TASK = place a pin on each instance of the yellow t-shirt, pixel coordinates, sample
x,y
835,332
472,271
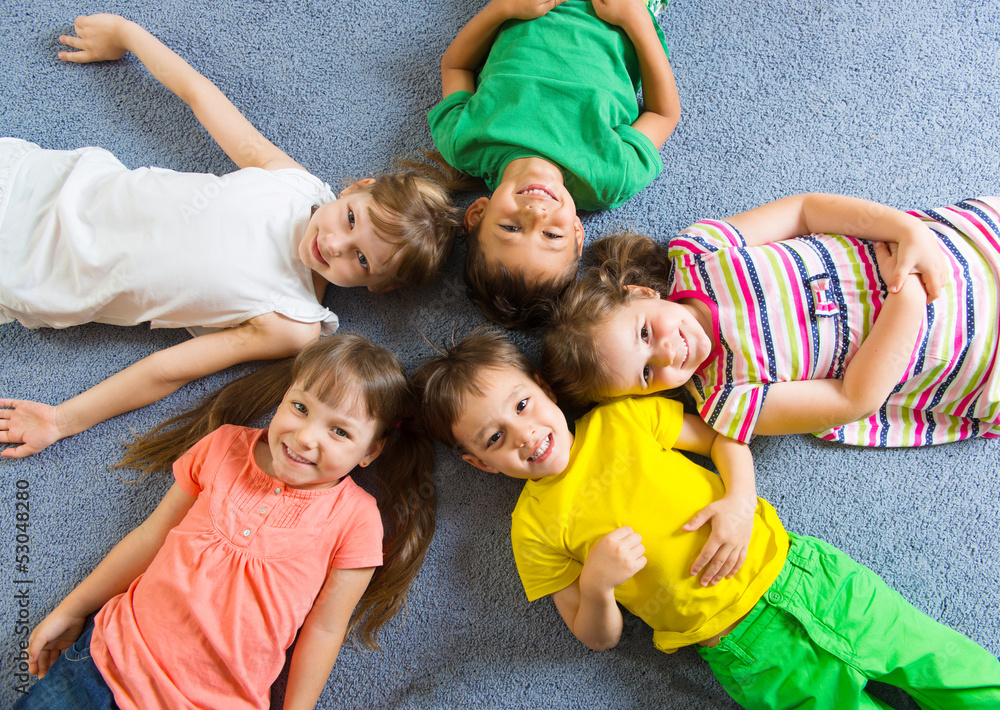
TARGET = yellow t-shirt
x,y
623,471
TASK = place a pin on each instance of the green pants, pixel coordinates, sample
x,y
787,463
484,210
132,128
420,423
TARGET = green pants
x,y
828,625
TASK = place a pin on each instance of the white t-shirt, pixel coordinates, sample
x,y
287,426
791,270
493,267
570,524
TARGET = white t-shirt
x,y
84,239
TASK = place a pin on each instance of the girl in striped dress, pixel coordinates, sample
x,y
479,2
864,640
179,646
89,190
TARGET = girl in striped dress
x,y
884,338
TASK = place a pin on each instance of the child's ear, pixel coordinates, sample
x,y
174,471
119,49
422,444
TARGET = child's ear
x,y
578,229
474,213
359,185
545,387
479,463
374,451
384,288
642,291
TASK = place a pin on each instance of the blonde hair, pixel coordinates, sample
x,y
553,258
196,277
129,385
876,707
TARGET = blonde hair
x,y
571,362
330,368
412,210
445,380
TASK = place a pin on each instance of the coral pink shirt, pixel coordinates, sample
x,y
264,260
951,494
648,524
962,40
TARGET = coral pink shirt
x,y
208,623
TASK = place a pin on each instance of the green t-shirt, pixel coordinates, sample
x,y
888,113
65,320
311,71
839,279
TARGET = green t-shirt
x,y
561,87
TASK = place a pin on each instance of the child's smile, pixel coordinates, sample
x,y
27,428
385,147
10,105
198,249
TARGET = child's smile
x,y
529,224
651,345
312,445
341,245
514,427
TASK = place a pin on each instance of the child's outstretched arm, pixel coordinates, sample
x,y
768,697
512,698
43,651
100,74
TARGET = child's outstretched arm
x,y
919,251
322,634
126,561
732,515
588,605
661,103
467,51
108,37
35,426
880,363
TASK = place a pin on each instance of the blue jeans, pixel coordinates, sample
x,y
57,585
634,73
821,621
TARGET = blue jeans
x,y
72,683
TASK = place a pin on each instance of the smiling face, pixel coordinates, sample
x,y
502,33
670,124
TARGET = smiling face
x,y
651,344
341,245
312,445
529,224
514,427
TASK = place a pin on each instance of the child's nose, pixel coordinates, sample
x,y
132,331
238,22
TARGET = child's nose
x,y
524,435
305,436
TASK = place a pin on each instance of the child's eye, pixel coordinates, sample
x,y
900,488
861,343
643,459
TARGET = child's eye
x,y
552,235
492,440
644,333
350,217
363,260
521,405
645,375
300,408
340,432
509,228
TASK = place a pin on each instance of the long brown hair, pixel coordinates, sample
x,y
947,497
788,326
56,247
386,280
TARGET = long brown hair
x,y
571,363
404,470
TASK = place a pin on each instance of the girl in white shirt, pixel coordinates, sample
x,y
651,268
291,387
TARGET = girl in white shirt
x,y
241,260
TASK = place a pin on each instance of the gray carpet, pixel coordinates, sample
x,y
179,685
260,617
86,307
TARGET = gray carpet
x,y
886,100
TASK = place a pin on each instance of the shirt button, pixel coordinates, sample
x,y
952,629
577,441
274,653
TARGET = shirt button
x,y
277,491
774,597
246,533
263,510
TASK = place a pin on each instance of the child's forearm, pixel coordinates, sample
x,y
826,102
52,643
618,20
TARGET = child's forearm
x,y
735,465
596,619
106,37
161,61
469,48
884,356
322,634
880,363
136,386
661,102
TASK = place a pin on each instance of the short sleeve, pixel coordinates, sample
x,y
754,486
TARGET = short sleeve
x,y
191,471
639,164
443,120
361,542
732,410
660,416
543,570
705,237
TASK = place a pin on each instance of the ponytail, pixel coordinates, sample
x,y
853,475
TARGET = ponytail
x,y
406,498
240,402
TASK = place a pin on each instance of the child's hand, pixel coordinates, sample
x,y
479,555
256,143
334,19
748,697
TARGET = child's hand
x,y
526,9
921,255
726,549
98,37
620,12
31,424
52,636
613,560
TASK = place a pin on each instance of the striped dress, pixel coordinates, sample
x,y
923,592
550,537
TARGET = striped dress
x,y
799,309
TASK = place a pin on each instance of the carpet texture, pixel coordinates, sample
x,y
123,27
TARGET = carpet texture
x,y
891,101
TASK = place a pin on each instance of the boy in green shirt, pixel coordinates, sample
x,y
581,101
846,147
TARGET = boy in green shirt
x,y
551,123
613,514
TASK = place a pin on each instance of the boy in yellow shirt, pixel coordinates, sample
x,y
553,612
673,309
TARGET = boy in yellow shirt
x,y
613,513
